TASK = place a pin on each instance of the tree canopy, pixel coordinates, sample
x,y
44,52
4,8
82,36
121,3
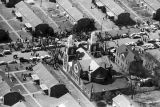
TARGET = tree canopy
x,y
4,36
156,16
124,19
43,30
136,68
84,25
12,3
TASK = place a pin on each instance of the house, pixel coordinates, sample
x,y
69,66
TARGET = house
x,y
46,79
28,14
123,101
124,56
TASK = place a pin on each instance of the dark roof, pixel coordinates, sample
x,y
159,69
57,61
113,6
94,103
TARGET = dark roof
x,y
12,98
58,90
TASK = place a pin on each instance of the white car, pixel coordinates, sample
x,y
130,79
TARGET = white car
x,y
148,46
131,43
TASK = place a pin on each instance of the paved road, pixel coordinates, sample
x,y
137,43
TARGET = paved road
x,y
11,27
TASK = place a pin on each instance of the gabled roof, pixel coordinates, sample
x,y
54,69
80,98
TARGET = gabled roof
x,y
73,11
68,101
86,55
153,4
124,101
44,75
28,14
19,104
127,52
113,6
87,60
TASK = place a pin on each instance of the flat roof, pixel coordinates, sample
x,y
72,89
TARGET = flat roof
x,y
114,7
28,14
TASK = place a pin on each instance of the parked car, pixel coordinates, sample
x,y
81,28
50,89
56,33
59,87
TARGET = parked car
x,y
3,63
7,52
124,36
131,43
148,46
23,60
157,44
1,54
12,62
36,48
25,50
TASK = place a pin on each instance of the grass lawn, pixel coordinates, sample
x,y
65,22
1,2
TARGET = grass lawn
x,y
58,18
17,25
65,25
19,88
31,101
25,35
6,12
31,87
13,36
4,26
19,76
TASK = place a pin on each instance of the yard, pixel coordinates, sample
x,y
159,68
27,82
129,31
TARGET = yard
x,y
13,36
5,27
25,35
32,87
6,12
17,25
19,88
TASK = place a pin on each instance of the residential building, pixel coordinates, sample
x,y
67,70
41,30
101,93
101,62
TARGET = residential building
x,y
28,14
45,78
124,56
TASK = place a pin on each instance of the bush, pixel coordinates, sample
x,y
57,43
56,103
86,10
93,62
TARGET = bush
x,y
84,25
4,36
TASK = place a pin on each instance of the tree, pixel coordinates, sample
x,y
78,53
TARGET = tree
x,y
4,36
43,30
12,3
136,68
124,19
84,25
156,16
108,96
